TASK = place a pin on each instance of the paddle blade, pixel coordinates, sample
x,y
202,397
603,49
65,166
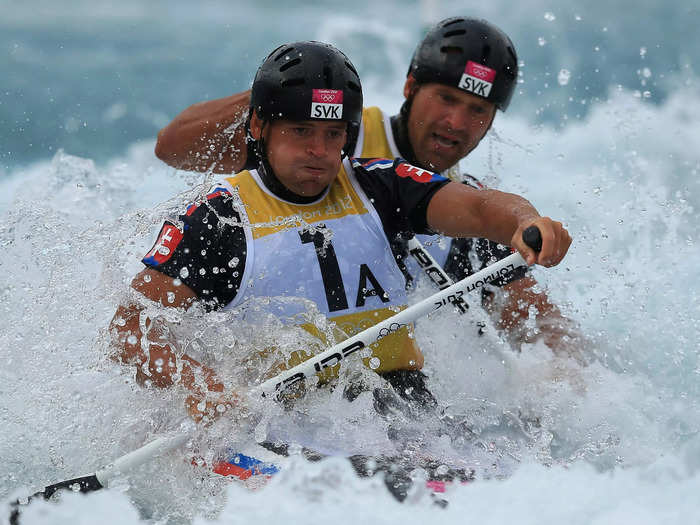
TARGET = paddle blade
x,y
83,484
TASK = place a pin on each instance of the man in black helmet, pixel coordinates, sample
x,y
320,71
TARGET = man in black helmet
x,y
305,223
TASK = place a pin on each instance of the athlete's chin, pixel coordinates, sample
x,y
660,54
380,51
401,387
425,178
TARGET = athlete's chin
x,y
440,158
311,188
438,162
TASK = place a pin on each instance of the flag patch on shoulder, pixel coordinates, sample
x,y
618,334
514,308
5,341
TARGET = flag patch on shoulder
x,y
168,239
404,169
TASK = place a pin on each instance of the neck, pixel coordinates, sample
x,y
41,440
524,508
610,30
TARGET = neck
x,y
399,126
272,183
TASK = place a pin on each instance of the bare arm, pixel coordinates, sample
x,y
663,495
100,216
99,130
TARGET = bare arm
x,y
207,134
521,300
160,365
458,210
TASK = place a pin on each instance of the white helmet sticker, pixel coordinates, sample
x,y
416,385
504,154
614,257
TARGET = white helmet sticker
x,y
477,79
327,103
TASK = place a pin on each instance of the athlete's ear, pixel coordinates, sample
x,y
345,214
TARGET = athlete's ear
x,y
410,86
255,125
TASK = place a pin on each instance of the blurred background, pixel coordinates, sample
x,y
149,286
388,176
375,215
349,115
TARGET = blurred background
x,y
92,77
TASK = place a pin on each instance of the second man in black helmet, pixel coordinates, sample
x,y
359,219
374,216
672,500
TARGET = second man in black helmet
x,y
305,223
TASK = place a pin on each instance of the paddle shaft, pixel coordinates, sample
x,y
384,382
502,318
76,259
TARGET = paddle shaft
x,y
434,271
354,344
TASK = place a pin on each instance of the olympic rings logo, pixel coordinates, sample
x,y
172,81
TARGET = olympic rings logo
x,y
478,72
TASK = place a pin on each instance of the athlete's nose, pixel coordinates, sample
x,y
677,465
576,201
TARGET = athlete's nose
x,y
457,119
317,145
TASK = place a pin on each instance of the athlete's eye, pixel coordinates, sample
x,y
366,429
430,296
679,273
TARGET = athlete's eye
x,y
301,131
335,133
446,98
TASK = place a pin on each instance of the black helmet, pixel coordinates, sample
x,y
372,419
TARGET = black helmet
x,y
469,54
308,81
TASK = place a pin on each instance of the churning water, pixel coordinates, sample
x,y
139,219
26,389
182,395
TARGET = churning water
x,y
603,135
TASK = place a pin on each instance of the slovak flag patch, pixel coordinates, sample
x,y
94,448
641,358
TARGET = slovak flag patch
x,y
327,103
404,169
477,79
170,236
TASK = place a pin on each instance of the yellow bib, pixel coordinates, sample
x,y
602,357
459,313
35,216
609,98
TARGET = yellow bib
x,y
333,252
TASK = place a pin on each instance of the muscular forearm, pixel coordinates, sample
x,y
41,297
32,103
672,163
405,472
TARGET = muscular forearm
x,y
526,314
157,364
207,135
148,346
457,210
460,211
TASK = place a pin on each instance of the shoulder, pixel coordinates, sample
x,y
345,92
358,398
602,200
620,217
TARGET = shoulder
x,y
372,164
219,202
396,167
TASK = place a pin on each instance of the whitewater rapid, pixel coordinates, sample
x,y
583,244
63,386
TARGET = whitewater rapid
x,y
616,441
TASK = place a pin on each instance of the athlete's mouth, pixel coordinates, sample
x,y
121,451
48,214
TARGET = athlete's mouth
x,y
445,141
316,170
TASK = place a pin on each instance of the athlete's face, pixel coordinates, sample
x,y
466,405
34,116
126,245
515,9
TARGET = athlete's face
x,y
445,123
305,155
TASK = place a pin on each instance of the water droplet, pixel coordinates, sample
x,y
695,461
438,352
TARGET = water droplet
x,y
233,262
541,41
442,470
132,340
146,278
642,52
563,77
374,363
184,272
171,297
549,17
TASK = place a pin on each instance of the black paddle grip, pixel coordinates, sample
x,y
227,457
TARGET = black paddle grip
x,y
533,238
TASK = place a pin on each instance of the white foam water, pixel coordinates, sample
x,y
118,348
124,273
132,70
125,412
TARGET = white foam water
x,y
615,441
